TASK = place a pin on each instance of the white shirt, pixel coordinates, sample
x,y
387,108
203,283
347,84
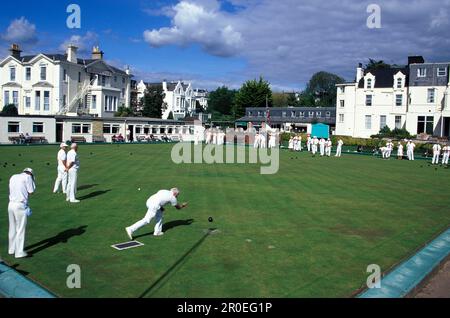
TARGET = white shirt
x,y
72,156
62,156
437,148
162,198
340,143
20,186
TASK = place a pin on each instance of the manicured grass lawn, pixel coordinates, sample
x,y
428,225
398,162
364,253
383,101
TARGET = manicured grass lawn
x,y
309,231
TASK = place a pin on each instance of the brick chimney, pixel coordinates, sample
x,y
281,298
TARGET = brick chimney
x,y
97,54
15,51
72,54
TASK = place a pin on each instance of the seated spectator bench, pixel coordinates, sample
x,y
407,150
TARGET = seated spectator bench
x,y
78,140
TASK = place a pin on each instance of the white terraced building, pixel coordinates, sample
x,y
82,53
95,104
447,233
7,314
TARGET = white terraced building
x,y
414,97
63,84
180,98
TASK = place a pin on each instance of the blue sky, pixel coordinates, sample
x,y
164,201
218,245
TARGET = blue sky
x,y
212,43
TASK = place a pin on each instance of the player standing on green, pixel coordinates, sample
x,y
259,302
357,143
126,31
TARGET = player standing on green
x,y
155,205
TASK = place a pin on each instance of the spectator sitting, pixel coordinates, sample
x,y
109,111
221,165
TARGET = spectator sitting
x,y
27,138
21,138
114,138
120,138
147,137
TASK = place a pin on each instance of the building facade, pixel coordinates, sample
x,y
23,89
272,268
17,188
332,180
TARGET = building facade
x,y
300,119
63,84
180,98
414,97
56,129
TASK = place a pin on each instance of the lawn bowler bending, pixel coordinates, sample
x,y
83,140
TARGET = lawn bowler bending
x,y
155,205
20,188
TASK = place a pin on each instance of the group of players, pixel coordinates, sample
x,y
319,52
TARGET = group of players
x,y
315,145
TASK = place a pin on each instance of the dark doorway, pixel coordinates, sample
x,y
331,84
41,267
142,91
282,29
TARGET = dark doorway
x,y
447,127
131,128
59,132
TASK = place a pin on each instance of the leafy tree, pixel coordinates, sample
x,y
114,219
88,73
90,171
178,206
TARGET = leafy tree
x,y
221,101
292,100
153,102
170,116
254,93
280,100
123,111
10,110
376,65
321,90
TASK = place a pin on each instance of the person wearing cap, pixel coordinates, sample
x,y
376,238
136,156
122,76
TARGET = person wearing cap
x,y
21,186
62,173
72,166
155,205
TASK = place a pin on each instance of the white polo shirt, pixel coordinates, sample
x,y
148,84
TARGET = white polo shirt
x,y
162,198
72,156
436,148
62,156
20,186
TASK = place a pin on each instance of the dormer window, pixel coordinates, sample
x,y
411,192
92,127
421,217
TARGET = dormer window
x,y
399,83
369,83
422,72
441,71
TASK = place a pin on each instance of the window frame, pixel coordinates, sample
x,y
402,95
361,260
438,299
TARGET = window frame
x,y
369,97
15,123
366,126
40,125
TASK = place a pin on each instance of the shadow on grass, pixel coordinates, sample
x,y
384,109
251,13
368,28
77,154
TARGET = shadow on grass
x,y
169,226
21,272
159,283
62,237
93,195
86,187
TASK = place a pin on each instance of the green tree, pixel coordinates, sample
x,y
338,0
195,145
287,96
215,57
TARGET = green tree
x,y
221,101
292,100
198,108
280,100
10,110
153,102
321,90
254,93
170,116
123,111
376,65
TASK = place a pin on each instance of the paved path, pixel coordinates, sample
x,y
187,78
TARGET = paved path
x,y
438,286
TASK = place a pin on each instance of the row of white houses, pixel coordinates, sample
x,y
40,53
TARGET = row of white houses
x,y
64,84
414,97
55,129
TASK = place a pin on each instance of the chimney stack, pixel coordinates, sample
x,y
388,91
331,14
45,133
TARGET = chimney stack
x,y
359,72
415,60
164,85
15,51
97,54
72,54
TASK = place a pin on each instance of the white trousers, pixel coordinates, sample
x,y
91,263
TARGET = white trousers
x,y
308,145
151,213
322,151
388,154
314,149
17,227
445,158
61,180
328,151
436,157
338,151
72,184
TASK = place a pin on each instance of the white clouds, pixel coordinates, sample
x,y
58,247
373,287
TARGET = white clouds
x,y
21,31
287,41
83,42
199,22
